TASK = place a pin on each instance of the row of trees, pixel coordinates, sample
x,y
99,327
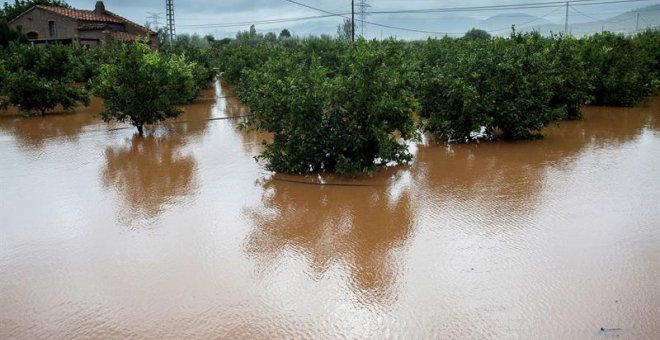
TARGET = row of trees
x,y
347,107
344,107
138,85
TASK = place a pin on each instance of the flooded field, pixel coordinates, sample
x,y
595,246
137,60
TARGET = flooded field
x,y
181,234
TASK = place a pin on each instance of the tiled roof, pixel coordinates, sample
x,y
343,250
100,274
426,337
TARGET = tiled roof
x,y
128,22
84,15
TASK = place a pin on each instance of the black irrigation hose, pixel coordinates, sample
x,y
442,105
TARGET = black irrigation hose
x,y
327,184
188,121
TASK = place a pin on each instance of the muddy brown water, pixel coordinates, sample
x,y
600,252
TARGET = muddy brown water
x,y
181,234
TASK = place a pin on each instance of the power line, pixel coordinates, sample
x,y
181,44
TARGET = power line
x,y
363,5
154,19
366,22
267,21
529,22
503,7
596,19
328,14
648,23
470,9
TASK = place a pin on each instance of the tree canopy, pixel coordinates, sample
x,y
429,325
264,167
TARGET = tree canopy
x,y
285,34
141,86
476,33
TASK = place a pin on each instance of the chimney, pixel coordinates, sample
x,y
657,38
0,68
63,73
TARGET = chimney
x,y
99,8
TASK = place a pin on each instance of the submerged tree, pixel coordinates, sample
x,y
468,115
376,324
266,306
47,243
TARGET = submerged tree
x,y
349,119
38,79
142,86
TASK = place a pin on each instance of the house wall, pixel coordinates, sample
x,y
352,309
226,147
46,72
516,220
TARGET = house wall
x,y
36,20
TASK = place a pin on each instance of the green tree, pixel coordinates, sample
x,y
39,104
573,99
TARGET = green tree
x,y
39,79
9,35
29,92
142,86
570,80
285,34
500,84
476,33
209,38
3,80
12,10
621,69
349,120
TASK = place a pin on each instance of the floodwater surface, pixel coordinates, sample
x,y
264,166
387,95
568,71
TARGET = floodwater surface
x,y
181,234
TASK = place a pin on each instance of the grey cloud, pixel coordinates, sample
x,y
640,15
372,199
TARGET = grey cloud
x,y
197,12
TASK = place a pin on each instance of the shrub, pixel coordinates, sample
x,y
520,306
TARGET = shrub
x,y
142,86
348,121
501,85
621,71
39,79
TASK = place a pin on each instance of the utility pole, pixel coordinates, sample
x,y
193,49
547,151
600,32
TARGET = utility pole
x,y
637,24
154,19
566,21
363,15
352,20
171,29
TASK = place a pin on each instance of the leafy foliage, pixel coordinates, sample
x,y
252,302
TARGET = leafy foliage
x,y
39,79
622,72
570,81
501,84
9,35
476,33
197,50
306,93
285,34
142,86
247,51
29,92
346,121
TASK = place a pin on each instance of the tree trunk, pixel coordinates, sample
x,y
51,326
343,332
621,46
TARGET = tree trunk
x,y
140,129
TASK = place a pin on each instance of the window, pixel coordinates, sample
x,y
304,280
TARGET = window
x,y
52,28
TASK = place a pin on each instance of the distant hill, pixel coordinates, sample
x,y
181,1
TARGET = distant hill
x,y
503,22
623,23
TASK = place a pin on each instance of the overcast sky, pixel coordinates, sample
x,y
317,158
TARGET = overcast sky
x,y
214,13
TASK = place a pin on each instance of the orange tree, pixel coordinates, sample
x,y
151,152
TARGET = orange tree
x,y
141,86
348,120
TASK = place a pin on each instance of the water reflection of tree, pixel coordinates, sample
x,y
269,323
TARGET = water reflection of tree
x,y
355,229
148,173
194,120
500,181
33,132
